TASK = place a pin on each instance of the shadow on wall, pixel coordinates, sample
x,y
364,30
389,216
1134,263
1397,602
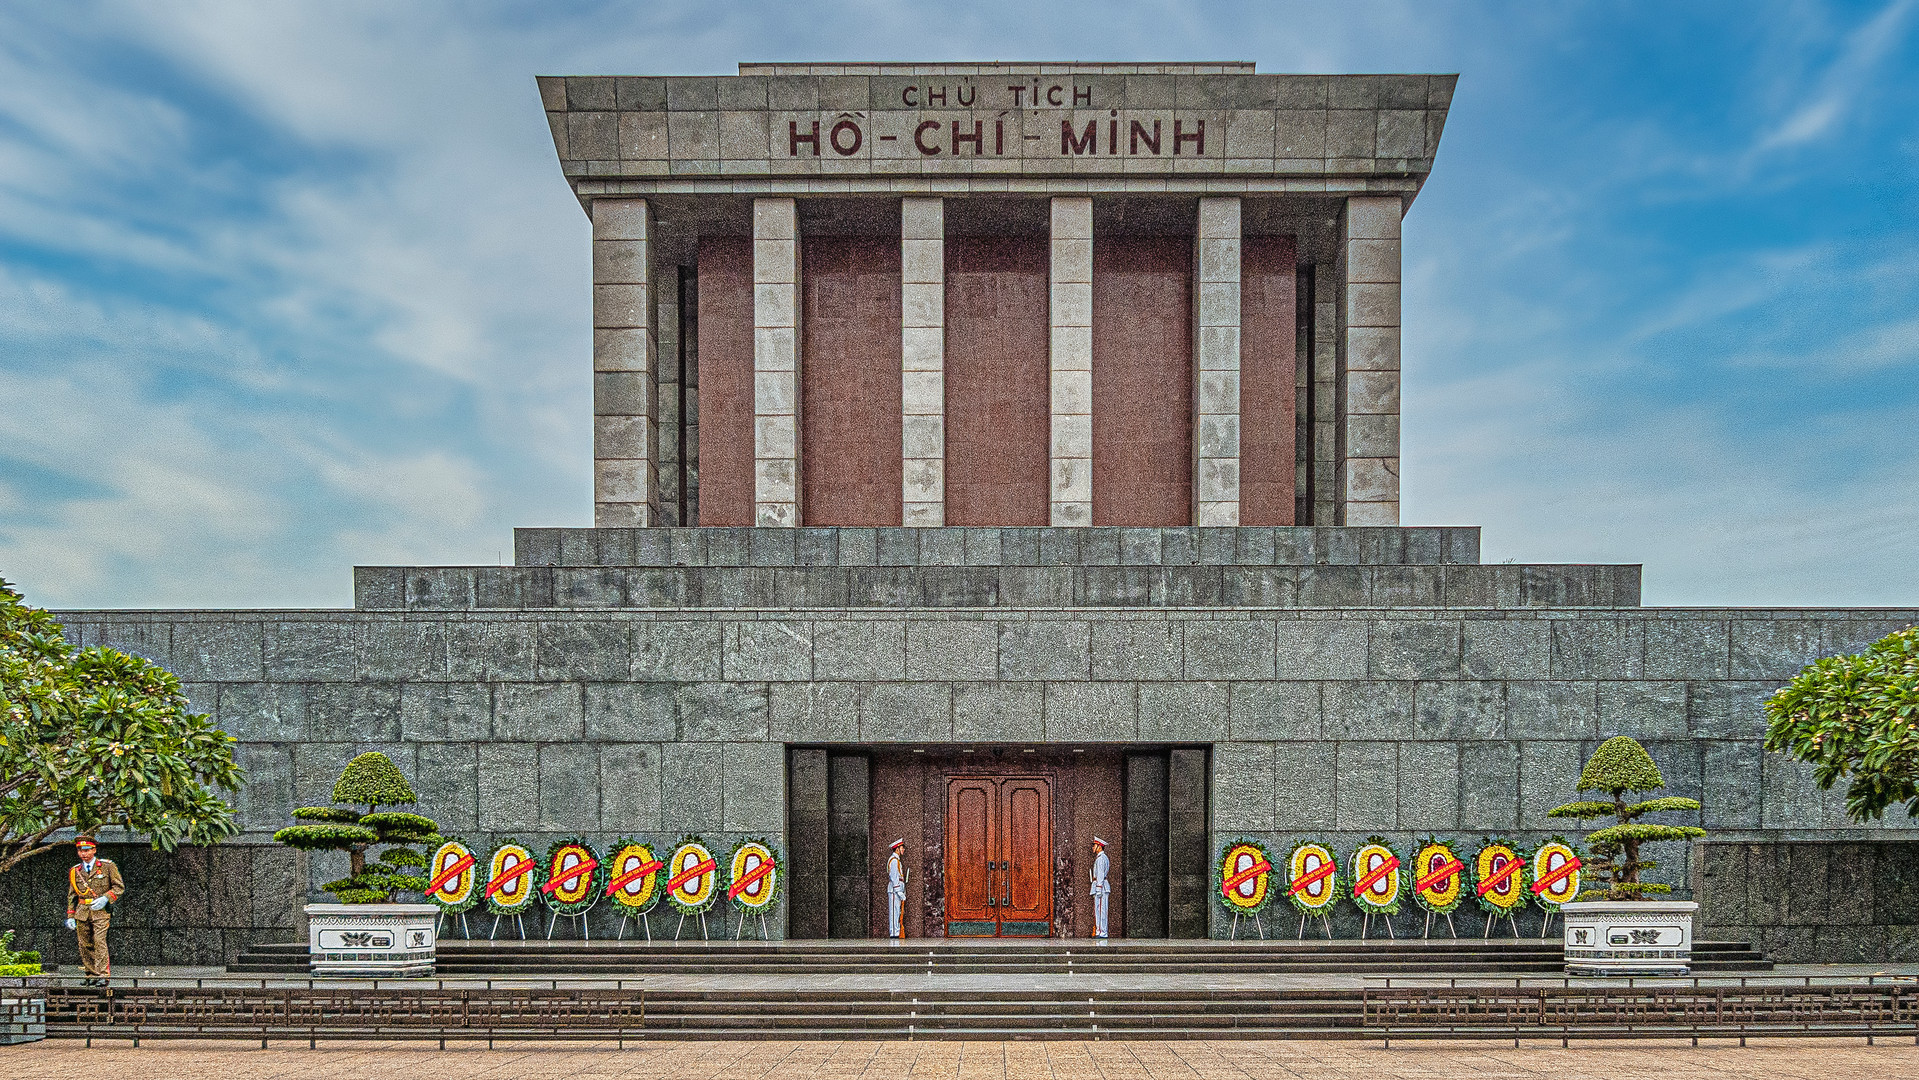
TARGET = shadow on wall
x,y
196,906
1844,903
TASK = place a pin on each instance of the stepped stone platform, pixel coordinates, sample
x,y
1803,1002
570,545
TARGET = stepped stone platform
x,y
820,568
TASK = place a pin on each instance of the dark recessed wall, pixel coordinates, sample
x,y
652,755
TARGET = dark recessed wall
x,y
850,464
726,380
1269,329
1142,380
998,379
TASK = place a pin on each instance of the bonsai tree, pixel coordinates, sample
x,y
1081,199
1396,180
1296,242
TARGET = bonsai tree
x,y
96,738
369,781
1621,767
1856,718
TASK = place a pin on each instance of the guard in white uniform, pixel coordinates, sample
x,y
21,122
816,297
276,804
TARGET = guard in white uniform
x,y
1102,889
896,891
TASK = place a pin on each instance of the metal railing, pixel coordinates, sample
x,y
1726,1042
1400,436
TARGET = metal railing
x,y
1868,1009
315,1013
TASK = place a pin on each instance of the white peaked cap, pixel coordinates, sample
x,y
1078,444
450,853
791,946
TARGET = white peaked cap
x,y
901,842
1098,841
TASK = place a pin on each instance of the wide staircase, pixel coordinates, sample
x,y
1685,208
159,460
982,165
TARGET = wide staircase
x,y
631,959
977,989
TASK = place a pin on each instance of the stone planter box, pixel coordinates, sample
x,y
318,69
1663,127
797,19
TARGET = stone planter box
x,y
23,1016
379,940
1624,937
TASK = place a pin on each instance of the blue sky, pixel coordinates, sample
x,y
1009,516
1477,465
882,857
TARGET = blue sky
x,y
289,287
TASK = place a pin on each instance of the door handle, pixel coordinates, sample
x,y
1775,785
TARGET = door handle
x,y
1006,882
990,900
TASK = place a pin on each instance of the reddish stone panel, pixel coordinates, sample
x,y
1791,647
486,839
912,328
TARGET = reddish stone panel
x,y
1269,321
1142,380
726,381
850,469
998,380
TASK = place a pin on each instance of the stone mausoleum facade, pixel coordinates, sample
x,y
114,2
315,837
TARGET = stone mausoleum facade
x,y
991,456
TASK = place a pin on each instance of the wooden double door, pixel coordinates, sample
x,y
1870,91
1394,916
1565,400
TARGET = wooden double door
x,y
999,856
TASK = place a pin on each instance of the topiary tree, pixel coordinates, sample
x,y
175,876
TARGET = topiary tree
x,y
1856,718
1618,768
371,781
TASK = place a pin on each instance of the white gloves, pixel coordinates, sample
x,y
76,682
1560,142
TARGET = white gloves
x,y
99,903
69,922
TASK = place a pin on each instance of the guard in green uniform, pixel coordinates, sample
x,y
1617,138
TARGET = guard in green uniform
x,y
92,885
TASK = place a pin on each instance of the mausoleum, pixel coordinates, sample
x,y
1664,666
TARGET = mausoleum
x,y
992,456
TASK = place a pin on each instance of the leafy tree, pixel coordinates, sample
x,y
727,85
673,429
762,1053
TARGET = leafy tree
x,y
371,781
1620,767
95,738
1856,718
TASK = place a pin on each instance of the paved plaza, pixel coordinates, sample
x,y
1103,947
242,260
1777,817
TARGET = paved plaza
x,y
1824,1059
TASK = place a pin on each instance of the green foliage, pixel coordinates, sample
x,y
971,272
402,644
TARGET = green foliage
x,y
1583,811
394,824
325,837
372,780
95,738
9,956
1619,766
1856,718
16,964
399,856
344,815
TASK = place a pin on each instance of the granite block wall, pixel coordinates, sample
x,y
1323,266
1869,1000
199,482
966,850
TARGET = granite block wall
x,y
1853,901
1331,724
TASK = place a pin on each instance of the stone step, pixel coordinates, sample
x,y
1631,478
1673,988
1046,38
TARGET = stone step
x,y
1245,545
684,588
613,959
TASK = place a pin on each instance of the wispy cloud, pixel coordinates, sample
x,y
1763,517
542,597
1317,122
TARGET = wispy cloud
x,y
1832,96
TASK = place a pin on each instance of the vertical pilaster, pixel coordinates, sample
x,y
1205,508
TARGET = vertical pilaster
x,y
623,366
923,361
1369,362
1071,355
1216,397
668,468
1325,399
776,362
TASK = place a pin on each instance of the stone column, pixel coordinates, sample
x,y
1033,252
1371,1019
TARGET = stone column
x,y
1368,432
1216,427
776,362
923,361
1072,361
623,367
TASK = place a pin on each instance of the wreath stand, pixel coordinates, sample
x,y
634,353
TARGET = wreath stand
x,y
645,923
1325,922
742,929
1366,923
1493,917
1546,923
1449,925
496,926
1238,915
579,920
465,933
682,923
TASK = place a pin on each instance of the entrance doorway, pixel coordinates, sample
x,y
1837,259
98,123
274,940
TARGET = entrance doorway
x,y
999,856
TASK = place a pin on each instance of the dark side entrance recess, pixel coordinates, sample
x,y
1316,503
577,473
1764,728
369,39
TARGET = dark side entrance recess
x,y
998,839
